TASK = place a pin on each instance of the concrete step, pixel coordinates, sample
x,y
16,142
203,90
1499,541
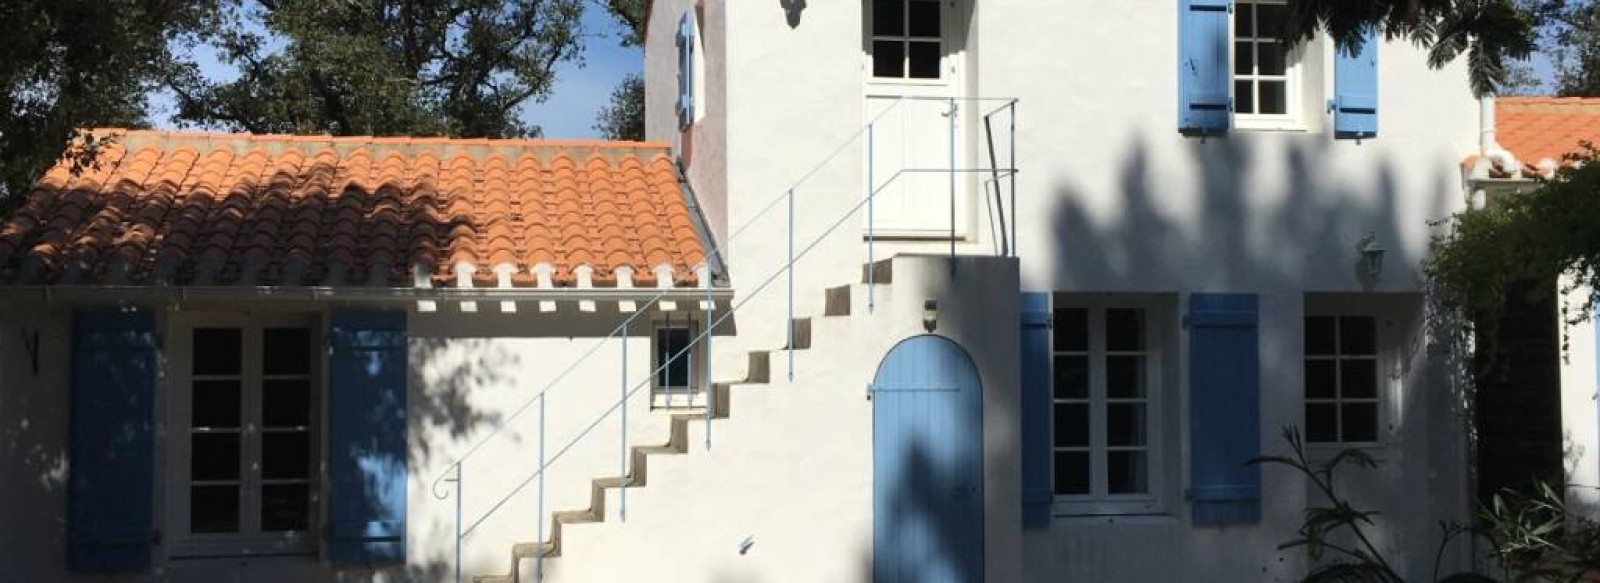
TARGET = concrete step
x,y
837,301
881,272
802,334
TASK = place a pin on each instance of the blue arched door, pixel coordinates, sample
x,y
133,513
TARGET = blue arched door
x,y
927,465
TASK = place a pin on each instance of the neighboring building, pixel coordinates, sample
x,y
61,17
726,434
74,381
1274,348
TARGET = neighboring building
x,y
903,290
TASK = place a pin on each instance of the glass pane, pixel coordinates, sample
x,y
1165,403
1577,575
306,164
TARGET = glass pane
x,y
1358,336
1125,424
285,456
1273,61
1072,330
1270,19
1360,422
217,351
285,507
1242,25
925,18
888,17
1072,425
1072,377
671,342
1322,422
1274,97
286,403
1125,377
1072,472
924,60
1125,330
1321,379
216,405
213,509
1126,472
214,456
287,351
1244,97
1320,338
888,58
1360,379
1244,59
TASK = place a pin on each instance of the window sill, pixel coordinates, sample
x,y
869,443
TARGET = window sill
x,y
1283,126
1117,519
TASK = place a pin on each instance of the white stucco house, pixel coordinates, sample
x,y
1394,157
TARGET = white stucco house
x,y
897,290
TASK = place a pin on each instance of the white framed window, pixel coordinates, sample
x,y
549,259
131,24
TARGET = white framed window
x,y
675,362
907,40
1106,414
1343,396
247,412
1267,75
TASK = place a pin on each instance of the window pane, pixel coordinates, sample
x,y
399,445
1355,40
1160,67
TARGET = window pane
x,y
669,343
1241,20
1125,377
1072,377
215,405
1072,330
214,456
217,351
1125,424
286,403
888,58
1274,97
1360,379
1270,19
924,60
1322,422
1125,330
1244,97
1360,422
1126,472
285,507
1072,472
214,509
1358,336
287,351
925,18
888,17
1072,425
285,456
1320,338
1272,59
1244,59
1321,379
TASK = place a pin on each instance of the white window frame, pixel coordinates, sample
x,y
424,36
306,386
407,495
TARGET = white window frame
x,y
946,41
1383,362
251,541
1099,502
1294,77
673,396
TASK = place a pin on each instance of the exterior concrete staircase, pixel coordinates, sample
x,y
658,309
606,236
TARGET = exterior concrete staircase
x,y
837,303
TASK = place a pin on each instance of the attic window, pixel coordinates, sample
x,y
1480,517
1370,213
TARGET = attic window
x,y
907,39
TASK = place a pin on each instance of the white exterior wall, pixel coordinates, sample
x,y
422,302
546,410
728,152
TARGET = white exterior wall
x,y
1580,413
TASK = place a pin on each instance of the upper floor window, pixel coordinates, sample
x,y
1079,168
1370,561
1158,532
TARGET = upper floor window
x,y
907,39
1266,72
1341,379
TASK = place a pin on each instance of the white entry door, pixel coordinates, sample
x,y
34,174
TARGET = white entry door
x,y
920,161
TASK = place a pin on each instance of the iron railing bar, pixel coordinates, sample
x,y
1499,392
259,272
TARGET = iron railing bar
x,y
994,166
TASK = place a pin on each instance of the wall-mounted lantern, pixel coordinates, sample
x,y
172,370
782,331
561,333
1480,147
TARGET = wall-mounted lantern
x,y
1371,255
930,315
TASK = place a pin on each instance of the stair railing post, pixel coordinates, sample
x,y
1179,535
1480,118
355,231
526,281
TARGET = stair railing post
x,y
622,451
872,237
1013,164
952,180
710,388
458,522
790,320
538,569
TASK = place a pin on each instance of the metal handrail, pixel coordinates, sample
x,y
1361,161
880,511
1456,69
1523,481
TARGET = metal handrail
x,y
454,471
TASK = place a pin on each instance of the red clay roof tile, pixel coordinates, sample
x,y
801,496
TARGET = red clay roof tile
x,y
1538,128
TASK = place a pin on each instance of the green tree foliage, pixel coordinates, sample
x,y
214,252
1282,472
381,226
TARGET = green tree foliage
x,y
1490,34
71,64
383,67
1569,33
623,119
630,13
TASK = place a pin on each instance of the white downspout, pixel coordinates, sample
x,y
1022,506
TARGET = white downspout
x,y
1490,153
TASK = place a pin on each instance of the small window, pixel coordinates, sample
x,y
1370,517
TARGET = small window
x,y
1265,70
1341,379
1104,410
907,39
675,363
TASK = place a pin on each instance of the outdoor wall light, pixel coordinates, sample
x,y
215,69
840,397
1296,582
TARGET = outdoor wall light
x,y
1371,255
930,315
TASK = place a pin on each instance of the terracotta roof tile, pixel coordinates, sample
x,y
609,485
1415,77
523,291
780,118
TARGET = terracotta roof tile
x,y
1536,129
219,209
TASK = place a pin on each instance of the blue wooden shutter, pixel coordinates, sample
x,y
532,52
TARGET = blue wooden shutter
x,y
1035,413
1224,409
1204,106
110,520
367,437
686,44
1355,93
